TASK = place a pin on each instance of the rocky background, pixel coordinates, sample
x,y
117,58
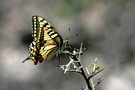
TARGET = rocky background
x,y
106,28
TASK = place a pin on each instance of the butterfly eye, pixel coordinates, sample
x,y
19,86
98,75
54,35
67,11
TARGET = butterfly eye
x,y
65,43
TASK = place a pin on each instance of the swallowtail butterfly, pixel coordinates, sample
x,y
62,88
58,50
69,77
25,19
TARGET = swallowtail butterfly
x,y
46,41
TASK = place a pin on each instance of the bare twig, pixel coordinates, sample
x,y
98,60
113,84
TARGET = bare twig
x,y
99,81
95,73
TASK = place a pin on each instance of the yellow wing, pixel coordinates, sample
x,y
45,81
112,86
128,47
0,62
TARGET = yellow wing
x,y
46,41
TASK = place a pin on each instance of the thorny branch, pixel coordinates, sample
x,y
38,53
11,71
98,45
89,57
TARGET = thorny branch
x,y
74,65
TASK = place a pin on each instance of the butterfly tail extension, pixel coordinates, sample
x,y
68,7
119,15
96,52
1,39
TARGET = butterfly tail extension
x,y
26,59
35,61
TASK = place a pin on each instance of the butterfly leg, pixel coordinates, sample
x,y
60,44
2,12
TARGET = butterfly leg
x,y
60,61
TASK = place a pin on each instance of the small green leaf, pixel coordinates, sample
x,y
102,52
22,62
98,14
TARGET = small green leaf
x,y
98,68
96,60
91,66
94,66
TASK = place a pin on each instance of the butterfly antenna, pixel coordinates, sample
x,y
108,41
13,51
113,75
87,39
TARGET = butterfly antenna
x,y
72,36
69,29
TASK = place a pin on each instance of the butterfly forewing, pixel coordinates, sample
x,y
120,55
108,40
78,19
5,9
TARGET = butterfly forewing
x,y
46,40
37,28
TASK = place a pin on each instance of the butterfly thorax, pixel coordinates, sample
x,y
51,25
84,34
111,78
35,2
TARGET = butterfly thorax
x,y
64,45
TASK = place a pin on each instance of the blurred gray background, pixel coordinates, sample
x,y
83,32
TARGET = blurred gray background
x,y
106,28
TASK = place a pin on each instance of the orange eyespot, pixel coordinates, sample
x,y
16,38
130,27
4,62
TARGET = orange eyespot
x,y
41,60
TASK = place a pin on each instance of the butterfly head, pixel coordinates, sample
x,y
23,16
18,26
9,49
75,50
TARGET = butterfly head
x,y
65,43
